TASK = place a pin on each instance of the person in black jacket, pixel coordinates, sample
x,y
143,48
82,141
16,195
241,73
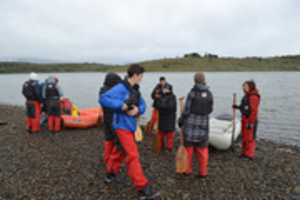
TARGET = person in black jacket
x,y
31,92
167,107
111,80
52,94
162,87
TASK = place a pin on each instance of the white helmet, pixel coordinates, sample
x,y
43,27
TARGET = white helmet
x,y
33,76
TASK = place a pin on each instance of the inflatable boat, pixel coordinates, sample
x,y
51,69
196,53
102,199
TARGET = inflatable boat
x,y
221,133
88,117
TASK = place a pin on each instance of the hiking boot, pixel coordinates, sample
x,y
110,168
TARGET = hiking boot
x,y
147,193
110,177
243,157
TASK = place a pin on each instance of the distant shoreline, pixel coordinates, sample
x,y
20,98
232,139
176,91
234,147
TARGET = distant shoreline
x,y
183,64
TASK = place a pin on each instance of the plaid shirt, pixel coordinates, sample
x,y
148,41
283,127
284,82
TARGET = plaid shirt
x,y
195,127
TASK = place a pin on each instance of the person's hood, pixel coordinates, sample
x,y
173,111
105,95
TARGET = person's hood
x,y
112,79
253,92
51,79
200,86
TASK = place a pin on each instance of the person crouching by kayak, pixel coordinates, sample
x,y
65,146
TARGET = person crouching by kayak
x,y
249,109
122,100
167,107
52,94
31,91
111,79
160,88
195,123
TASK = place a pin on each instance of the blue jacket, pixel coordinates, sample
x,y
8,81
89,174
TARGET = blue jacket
x,y
114,99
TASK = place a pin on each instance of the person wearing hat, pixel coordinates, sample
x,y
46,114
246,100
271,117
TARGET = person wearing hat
x,y
31,91
195,123
52,94
159,90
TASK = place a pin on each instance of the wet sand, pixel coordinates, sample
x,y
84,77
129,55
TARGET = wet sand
x,y
68,165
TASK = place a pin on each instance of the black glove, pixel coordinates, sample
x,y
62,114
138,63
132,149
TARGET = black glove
x,y
236,107
249,126
180,122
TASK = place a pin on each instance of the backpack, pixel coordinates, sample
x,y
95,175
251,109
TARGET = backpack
x,y
51,91
28,90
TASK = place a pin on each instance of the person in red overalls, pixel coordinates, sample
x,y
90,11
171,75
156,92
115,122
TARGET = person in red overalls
x,y
249,109
31,91
52,93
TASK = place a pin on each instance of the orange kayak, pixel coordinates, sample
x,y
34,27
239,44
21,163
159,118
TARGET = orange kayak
x,y
88,117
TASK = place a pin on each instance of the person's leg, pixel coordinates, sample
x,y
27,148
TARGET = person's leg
x,y
37,117
244,139
160,136
202,155
115,160
189,151
250,143
51,123
134,168
57,123
170,140
29,124
107,149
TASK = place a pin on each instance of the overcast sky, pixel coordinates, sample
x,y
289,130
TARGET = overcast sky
x,y
122,31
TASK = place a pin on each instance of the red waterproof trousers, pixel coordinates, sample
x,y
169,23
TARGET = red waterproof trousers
x,y
54,123
108,147
248,140
202,156
153,121
130,154
170,139
33,122
249,124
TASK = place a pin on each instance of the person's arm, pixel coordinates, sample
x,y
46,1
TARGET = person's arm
x,y
113,98
37,91
60,92
153,94
211,102
44,91
187,106
142,106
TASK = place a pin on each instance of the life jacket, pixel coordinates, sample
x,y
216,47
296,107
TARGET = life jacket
x,y
201,100
51,91
29,90
245,103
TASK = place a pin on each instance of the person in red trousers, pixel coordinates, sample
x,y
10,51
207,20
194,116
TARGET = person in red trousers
x,y
249,109
127,104
195,123
162,87
167,107
31,91
111,79
52,93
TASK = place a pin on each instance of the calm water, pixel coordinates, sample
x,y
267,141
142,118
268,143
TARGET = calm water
x,y
279,113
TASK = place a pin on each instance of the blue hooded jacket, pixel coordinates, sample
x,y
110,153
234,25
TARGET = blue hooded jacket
x,y
114,99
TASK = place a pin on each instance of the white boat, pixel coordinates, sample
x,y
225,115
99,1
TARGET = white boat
x,y
220,134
